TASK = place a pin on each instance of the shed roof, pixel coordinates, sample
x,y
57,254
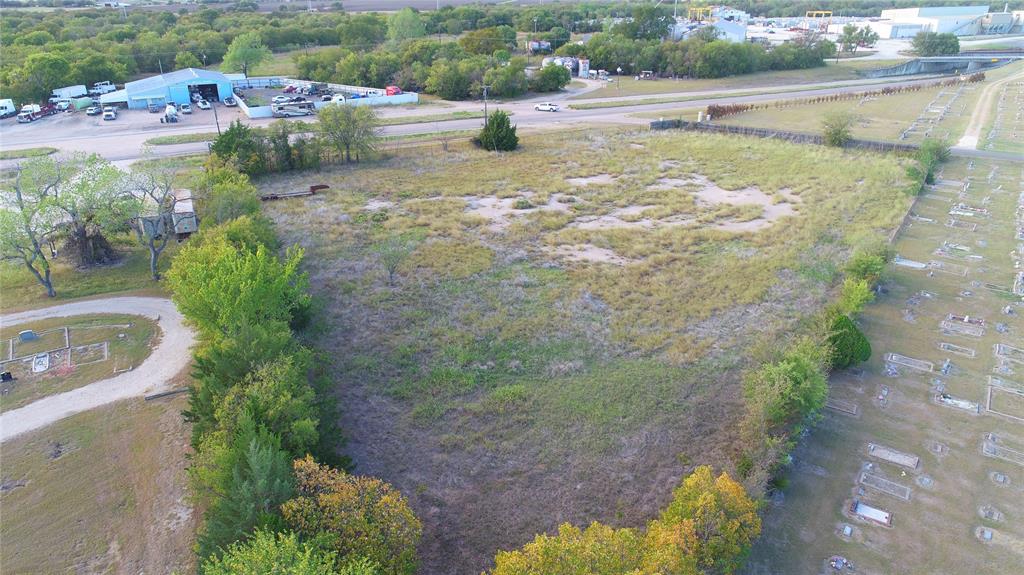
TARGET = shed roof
x,y
172,78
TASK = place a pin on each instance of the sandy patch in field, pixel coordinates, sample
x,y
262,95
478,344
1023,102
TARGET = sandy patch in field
x,y
500,212
598,180
589,253
376,205
669,184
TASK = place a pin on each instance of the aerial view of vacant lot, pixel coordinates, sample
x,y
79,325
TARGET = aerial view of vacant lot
x,y
564,327
504,287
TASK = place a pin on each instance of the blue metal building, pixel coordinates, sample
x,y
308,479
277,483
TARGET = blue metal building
x,y
174,87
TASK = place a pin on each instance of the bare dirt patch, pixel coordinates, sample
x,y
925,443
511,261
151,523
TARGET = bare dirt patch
x,y
501,212
590,253
598,180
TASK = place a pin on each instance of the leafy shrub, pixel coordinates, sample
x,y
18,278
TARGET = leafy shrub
x,y
498,135
355,516
837,129
522,204
266,553
848,343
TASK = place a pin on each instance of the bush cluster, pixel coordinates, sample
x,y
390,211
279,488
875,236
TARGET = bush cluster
x,y
259,408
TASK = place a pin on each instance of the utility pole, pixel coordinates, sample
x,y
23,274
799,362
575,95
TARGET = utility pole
x,y
213,106
485,104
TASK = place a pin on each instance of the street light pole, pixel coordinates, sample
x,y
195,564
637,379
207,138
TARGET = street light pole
x,y
213,106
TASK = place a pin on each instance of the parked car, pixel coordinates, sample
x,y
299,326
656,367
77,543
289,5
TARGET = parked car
x,y
326,97
546,107
195,97
230,102
203,105
289,88
155,108
281,99
93,111
185,108
109,113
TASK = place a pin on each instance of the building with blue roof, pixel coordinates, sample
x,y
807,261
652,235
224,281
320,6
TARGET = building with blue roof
x,y
174,87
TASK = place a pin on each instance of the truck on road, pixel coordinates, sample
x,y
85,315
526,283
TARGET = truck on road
x,y
32,112
7,108
100,88
69,93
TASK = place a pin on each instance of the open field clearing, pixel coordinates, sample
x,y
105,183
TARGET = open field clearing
x,y
831,72
556,334
956,498
907,117
80,350
100,492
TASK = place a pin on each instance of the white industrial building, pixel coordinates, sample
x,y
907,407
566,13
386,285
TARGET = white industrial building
x,y
959,20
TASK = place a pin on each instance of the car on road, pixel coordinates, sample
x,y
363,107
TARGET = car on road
x,y
93,111
185,108
546,107
203,105
230,102
109,113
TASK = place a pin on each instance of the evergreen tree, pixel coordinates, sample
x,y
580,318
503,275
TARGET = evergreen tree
x,y
499,134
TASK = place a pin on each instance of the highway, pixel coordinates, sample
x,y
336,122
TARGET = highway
x,y
127,145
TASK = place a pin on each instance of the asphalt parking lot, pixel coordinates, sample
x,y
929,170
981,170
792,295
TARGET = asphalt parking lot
x,y
78,124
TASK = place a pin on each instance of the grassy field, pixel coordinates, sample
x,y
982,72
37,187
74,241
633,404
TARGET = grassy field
x,y
19,289
561,313
26,153
129,340
280,64
308,127
952,487
844,70
99,492
1005,129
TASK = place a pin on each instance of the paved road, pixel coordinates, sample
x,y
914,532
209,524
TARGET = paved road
x,y
168,358
125,147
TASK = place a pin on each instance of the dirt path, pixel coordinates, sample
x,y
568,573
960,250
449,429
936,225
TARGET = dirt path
x,y
982,111
170,356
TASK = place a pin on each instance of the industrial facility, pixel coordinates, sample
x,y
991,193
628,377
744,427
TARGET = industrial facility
x,y
958,20
171,88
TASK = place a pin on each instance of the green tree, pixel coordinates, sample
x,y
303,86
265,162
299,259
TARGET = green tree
x,y
448,81
39,75
498,133
849,345
486,41
242,145
351,130
153,189
550,78
392,252
224,193
97,67
927,44
508,81
276,395
246,52
30,220
837,128
93,203
269,553
405,25
850,38
792,388
259,481
186,59
647,22
355,516
222,288
710,524
361,32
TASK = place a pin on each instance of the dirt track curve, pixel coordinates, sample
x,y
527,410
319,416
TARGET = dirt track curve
x,y
167,359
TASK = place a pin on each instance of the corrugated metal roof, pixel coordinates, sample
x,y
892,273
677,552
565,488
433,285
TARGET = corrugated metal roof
x,y
172,78
115,97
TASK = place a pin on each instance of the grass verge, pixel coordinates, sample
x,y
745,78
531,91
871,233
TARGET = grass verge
x,y
26,153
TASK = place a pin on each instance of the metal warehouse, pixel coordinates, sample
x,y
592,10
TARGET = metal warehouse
x,y
173,87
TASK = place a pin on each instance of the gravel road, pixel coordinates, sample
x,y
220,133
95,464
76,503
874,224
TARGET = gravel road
x,y
168,358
